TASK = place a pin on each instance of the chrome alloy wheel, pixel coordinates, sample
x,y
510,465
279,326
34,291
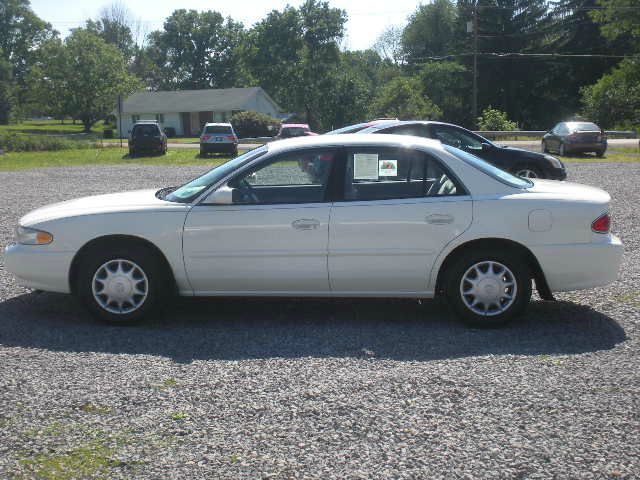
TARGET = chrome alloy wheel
x,y
120,286
526,173
488,288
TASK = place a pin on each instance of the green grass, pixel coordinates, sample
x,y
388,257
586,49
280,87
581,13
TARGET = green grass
x,y
615,156
84,462
50,127
102,156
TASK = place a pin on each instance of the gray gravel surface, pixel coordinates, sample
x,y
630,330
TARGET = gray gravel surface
x,y
318,389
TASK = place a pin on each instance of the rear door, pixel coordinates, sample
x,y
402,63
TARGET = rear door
x,y
399,209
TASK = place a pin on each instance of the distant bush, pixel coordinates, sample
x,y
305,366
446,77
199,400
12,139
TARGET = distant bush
x,y
495,120
254,124
15,142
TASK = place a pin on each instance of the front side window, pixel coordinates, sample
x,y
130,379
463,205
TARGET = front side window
x,y
456,138
294,177
395,173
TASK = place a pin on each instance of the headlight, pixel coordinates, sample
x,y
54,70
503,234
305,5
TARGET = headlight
x,y
31,236
554,161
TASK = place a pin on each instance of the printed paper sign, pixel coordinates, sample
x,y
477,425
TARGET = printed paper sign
x,y
365,166
388,168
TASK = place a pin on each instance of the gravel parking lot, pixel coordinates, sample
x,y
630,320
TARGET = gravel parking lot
x,y
318,389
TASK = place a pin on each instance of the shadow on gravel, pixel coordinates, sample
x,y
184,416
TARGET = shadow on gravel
x,y
258,328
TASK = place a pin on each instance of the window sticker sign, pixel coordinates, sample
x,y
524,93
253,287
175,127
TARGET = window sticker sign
x,y
365,166
388,168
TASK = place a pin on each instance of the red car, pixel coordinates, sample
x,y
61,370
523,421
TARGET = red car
x,y
290,130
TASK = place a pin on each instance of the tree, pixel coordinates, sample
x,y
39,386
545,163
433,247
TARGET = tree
x,y
293,54
430,32
21,35
447,84
253,124
614,100
495,120
618,18
82,77
401,98
114,26
6,90
389,45
196,50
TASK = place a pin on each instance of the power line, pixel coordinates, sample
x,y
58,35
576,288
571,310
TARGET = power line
x,y
517,55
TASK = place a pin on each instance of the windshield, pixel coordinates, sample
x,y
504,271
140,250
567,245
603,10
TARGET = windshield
x,y
583,127
217,129
191,190
495,172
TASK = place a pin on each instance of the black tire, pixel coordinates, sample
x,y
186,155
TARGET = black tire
x,y
202,153
600,153
234,152
132,152
545,149
457,270
158,281
561,150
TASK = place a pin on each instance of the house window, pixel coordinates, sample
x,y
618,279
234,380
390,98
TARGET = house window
x,y
135,118
160,117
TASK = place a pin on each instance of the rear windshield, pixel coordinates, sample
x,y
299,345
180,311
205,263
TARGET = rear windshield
x,y
218,129
146,130
294,131
495,172
583,127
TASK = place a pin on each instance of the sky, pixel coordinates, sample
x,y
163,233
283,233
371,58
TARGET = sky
x,y
367,18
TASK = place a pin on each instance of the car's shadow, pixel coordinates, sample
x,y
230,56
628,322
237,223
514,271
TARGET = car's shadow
x,y
266,328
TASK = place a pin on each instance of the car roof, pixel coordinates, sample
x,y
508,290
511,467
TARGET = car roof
x,y
217,124
146,122
353,139
294,125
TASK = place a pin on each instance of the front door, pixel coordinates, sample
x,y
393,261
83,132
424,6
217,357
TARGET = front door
x,y
273,239
400,209
186,123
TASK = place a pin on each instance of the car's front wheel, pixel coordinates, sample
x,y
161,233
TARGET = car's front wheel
x,y
488,288
528,172
121,285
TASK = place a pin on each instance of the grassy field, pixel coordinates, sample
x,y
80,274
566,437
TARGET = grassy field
x,y
52,127
102,156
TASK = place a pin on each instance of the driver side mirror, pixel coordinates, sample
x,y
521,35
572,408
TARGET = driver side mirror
x,y
224,195
486,147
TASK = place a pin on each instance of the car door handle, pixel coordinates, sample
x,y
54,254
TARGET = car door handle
x,y
439,219
306,224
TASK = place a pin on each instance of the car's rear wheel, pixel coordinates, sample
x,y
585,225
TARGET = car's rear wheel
x,y
528,171
600,153
122,284
488,288
545,149
561,150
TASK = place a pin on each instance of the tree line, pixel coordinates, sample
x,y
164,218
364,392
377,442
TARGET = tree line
x,y
539,62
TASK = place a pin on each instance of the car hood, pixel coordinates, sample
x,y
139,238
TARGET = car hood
x,y
134,201
568,191
521,152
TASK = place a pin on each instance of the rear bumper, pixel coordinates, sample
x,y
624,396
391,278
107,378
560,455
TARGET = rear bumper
x,y
585,147
218,147
37,267
580,266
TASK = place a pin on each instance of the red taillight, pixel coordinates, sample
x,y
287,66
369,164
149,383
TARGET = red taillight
x,y
233,138
601,224
205,138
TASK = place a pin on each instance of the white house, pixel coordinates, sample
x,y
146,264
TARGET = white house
x,y
188,110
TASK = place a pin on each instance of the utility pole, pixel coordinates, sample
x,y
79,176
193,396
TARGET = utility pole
x,y
475,64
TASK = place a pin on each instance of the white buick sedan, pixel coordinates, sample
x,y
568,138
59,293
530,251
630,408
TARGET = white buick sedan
x,y
331,216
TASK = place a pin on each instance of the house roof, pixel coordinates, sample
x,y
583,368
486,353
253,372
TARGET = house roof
x,y
223,99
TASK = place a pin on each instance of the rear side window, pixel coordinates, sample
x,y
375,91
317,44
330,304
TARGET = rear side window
x,y
218,129
396,173
146,130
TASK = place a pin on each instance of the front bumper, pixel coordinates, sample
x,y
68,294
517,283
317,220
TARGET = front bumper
x,y
38,267
556,173
580,266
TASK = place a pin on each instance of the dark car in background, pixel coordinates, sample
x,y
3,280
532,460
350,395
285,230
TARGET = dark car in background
x,y
360,126
520,162
575,137
147,137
